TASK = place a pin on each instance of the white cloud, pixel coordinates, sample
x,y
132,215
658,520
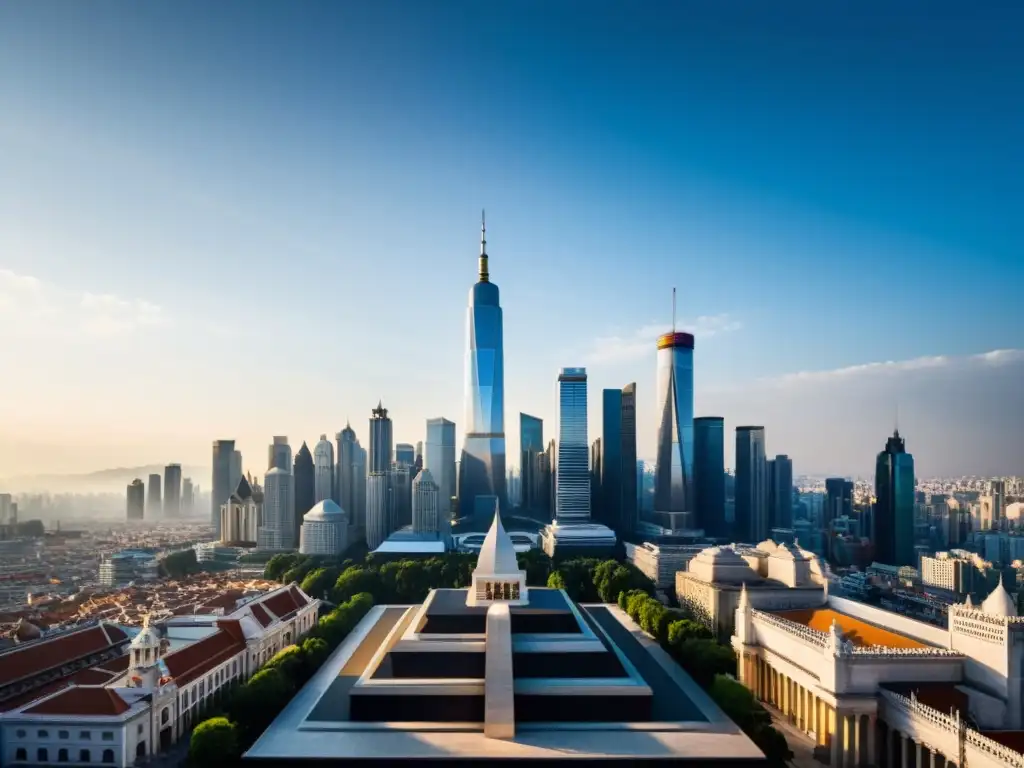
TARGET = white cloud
x,y
617,348
889,367
34,307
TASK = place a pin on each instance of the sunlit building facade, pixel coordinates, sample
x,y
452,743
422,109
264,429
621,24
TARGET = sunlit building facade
x,y
572,482
673,488
220,486
323,467
279,454
172,490
482,467
426,517
278,526
136,499
439,458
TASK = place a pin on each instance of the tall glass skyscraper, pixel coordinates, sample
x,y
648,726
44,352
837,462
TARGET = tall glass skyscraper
x,y
344,475
380,440
751,485
482,465
439,458
780,492
572,480
894,508
172,490
673,485
405,454
628,511
709,474
531,448
609,462
304,487
323,463
220,485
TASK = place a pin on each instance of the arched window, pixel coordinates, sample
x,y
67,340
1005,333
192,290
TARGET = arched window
x,y
108,755
62,755
42,755
84,756
20,754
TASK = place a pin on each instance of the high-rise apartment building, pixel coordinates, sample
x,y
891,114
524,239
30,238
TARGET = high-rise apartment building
x,y
323,470
154,507
997,491
426,507
673,485
172,490
709,475
572,483
439,458
629,513
136,500
277,531
304,482
220,483
188,498
6,505
236,469
380,440
780,492
279,454
894,505
751,485
482,465
359,456
345,472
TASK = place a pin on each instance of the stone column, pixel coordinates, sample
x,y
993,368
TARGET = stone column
x,y
856,732
933,759
871,758
837,740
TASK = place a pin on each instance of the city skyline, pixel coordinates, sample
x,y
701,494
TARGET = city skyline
x,y
807,253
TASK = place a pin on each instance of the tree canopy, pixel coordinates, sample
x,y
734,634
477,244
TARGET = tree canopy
x,y
214,742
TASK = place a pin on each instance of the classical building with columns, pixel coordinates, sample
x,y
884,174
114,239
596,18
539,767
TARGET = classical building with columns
x,y
875,688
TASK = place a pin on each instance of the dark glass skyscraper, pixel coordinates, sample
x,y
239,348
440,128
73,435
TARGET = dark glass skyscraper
x,y
709,474
628,512
380,440
751,485
482,464
608,504
220,485
531,448
838,499
345,472
894,505
780,492
305,487
673,484
172,490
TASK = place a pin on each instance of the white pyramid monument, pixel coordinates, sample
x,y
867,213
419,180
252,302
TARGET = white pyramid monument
x,y
497,578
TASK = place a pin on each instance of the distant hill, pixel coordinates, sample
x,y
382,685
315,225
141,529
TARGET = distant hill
x,y
100,481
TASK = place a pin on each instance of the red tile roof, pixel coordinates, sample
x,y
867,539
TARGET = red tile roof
x,y
79,700
50,653
297,596
260,614
281,603
88,676
198,658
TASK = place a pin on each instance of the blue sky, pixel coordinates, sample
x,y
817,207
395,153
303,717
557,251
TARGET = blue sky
x,y
251,218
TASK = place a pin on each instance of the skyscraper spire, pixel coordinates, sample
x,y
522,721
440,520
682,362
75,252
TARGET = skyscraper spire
x,y
484,277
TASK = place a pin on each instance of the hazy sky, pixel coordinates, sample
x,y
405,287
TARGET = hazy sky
x,y
240,219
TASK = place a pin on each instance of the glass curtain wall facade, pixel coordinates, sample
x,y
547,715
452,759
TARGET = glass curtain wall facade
x,y
380,440
673,485
572,478
894,508
531,448
323,463
172,490
345,472
482,464
709,474
220,484
304,487
628,511
439,458
751,485
610,460
781,485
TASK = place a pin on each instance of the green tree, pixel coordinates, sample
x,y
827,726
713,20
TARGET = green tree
x,y
625,597
742,708
319,580
314,652
704,659
556,581
356,580
254,705
279,564
291,663
299,570
179,564
214,742
537,565
681,630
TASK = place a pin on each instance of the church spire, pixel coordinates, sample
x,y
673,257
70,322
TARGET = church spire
x,y
484,276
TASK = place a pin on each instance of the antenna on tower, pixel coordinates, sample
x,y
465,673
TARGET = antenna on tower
x,y
673,309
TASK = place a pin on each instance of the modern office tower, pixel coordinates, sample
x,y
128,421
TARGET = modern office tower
x,y
188,498
608,470
172,490
236,468
323,470
324,531
304,482
379,509
628,510
277,529
751,485
345,483
709,474
419,456
400,486
780,492
380,440
221,484
894,505
426,504
552,462
154,508
482,465
596,507
358,517
279,454
838,499
572,479
997,490
240,515
673,484
136,500
531,447
405,454
439,458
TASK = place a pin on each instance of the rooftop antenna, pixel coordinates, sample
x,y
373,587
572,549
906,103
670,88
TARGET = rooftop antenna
x,y
673,309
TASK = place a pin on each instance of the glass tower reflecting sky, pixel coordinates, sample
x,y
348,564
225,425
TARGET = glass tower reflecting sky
x,y
439,458
673,484
482,467
709,474
894,505
572,480
751,485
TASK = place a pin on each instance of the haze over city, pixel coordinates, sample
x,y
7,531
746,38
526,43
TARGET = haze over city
x,y
243,222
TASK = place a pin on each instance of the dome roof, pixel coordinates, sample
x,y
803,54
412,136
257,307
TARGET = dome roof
x,y
497,554
326,511
721,556
999,602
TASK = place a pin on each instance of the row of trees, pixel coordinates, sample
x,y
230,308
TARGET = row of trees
x,y
711,665
252,706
